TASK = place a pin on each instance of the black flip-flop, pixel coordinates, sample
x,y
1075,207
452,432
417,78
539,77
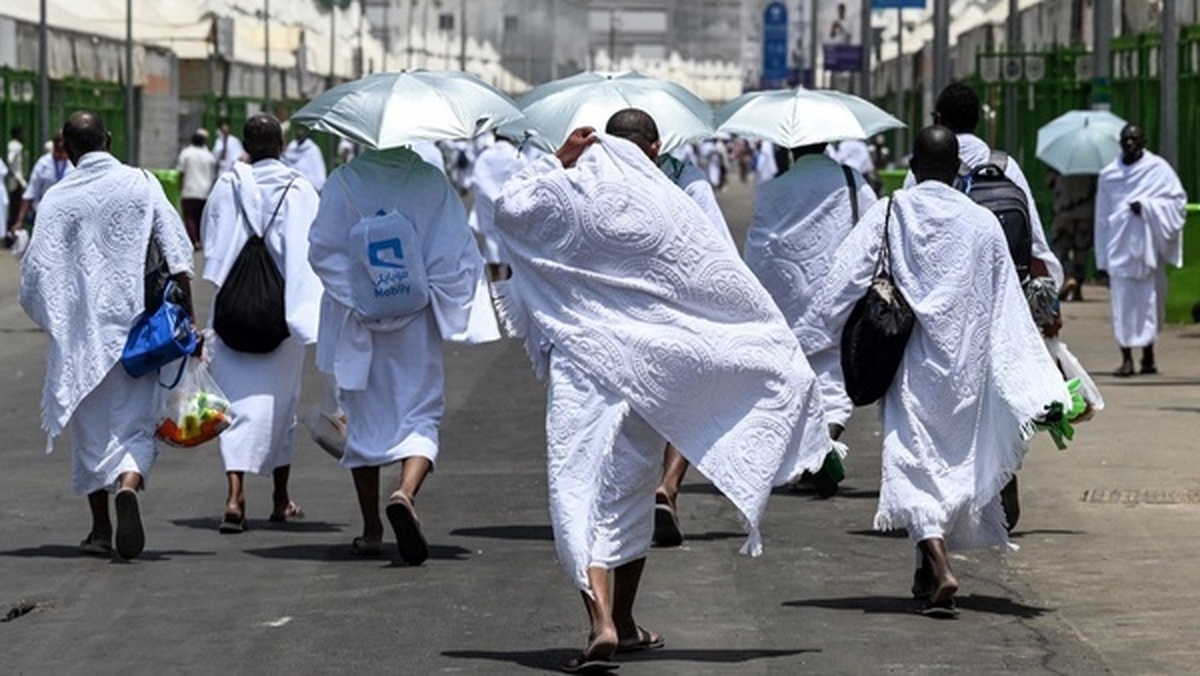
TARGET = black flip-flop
x,y
645,641
360,547
231,524
938,610
409,539
582,665
91,546
666,527
131,537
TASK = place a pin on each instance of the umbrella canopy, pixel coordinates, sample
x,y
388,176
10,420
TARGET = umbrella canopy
x,y
1080,142
386,110
557,108
800,117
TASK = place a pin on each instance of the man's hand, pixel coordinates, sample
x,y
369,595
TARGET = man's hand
x,y
576,143
1136,208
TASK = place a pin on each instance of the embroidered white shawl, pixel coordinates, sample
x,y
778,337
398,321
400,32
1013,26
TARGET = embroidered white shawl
x,y
975,373
1128,245
973,151
399,179
82,276
247,196
618,270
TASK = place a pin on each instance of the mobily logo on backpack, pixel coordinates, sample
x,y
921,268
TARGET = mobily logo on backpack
x,y
387,272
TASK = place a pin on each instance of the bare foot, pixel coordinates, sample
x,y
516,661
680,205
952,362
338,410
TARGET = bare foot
x,y
947,587
288,511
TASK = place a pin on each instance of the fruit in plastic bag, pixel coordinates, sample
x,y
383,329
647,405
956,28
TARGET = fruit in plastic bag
x,y
196,410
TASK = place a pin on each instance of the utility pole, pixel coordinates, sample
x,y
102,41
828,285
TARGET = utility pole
x,y
408,42
813,40
43,78
267,56
1168,106
900,149
462,36
866,38
332,43
1013,30
941,45
1102,30
553,39
130,125
612,39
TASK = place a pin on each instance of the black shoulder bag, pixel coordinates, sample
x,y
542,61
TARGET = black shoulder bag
x,y
875,336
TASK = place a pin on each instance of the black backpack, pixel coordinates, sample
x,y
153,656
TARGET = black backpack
x,y
989,187
249,314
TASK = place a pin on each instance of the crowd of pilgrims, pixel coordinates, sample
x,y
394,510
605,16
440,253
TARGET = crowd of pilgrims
x,y
661,345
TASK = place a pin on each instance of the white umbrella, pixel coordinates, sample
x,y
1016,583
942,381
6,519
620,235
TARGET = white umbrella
x,y
1080,142
386,110
800,117
557,108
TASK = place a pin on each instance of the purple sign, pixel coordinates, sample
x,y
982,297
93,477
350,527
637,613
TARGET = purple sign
x,y
845,58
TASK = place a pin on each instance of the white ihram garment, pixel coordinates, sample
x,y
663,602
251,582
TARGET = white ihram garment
x,y
799,220
263,389
305,157
1136,250
82,282
389,374
639,314
973,152
494,166
959,413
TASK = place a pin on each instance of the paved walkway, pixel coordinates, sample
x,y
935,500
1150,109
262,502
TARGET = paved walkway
x,y
1105,579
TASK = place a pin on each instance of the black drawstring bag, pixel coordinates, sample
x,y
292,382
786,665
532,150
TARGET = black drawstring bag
x,y
249,314
877,332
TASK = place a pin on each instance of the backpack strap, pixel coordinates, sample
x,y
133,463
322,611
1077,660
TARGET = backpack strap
x,y
1000,159
852,186
884,264
277,207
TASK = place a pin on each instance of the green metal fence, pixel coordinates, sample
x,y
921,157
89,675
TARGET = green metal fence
x,y
19,107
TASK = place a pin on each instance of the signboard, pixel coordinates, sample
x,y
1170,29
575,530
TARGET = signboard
x,y
897,4
775,42
843,58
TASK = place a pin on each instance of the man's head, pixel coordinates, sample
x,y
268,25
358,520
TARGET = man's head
x,y
935,155
637,126
957,109
1133,143
17,133
263,137
83,133
200,137
812,149
223,126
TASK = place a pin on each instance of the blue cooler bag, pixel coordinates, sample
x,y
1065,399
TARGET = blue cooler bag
x,y
159,338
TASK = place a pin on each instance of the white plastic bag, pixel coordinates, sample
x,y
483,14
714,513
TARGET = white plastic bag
x,y
1071,368
195,410
326,423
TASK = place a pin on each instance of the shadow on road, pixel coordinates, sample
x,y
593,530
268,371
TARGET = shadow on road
x,y
551,659
72,552
893,534
872,605
519,532
1017,535
326,552
211,523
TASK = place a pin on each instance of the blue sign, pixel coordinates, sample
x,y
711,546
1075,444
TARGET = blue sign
x,y
775,42
897,4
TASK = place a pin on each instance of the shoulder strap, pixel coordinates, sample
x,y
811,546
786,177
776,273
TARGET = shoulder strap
x,y
1000,159
884,265
278,206
853,187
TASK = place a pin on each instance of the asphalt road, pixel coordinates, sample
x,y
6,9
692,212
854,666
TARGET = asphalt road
x,y
828,596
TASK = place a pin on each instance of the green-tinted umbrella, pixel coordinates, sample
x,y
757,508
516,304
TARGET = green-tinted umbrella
x,y
386,110
799,117
557,108
1080,142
